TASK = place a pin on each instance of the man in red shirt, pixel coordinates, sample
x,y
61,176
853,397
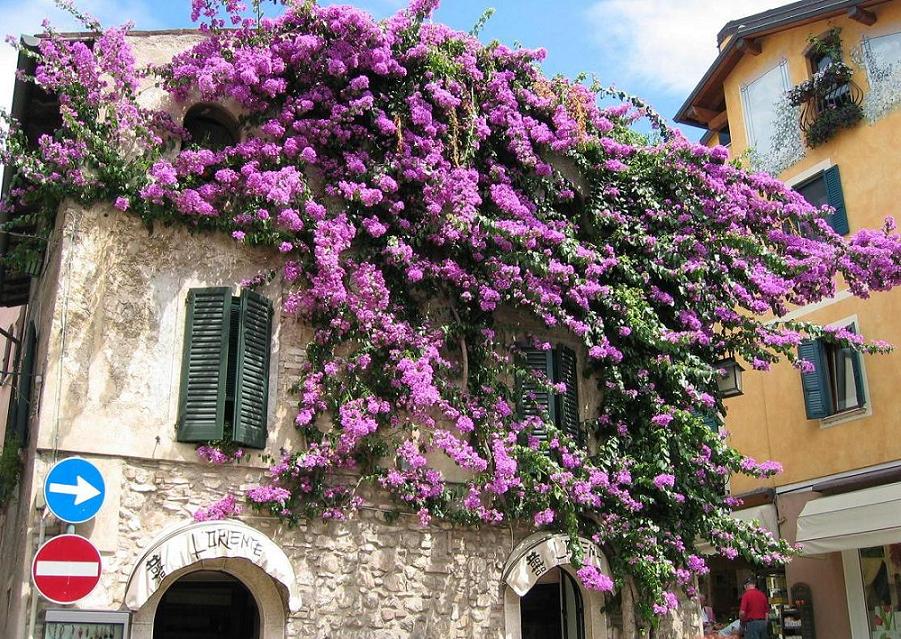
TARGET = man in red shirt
x,y
753,611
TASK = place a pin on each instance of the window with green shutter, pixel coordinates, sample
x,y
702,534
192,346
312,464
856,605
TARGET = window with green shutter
x,y
20,403
835,384
826,188
555,365
225,367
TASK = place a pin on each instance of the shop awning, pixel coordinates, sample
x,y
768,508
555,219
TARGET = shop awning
x,y
765,515
862,518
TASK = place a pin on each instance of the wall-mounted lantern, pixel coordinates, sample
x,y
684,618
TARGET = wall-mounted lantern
x,y
728,379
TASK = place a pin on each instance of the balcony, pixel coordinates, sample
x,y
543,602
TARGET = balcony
x,y
830,101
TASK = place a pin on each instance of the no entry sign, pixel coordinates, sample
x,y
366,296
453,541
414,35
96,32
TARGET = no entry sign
x,y
66,569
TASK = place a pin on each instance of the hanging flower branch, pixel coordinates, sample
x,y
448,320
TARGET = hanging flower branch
x,y
427,197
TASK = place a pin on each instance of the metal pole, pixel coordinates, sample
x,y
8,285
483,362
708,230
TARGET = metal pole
x,y
33,613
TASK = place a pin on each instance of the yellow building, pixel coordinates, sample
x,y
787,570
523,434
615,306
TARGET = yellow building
x,y
836,138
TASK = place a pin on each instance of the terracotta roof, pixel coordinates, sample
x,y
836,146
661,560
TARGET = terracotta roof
x,y
742,36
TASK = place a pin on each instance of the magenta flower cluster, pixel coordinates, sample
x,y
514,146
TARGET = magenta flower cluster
x,y
432,205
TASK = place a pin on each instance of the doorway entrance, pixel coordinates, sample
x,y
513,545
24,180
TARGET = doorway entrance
x,y
207,605
553,608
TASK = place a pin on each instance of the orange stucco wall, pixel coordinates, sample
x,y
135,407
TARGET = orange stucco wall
x,y
769,422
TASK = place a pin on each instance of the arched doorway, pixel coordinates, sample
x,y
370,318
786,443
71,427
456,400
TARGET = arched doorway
x,y
543,597
553,608
207,604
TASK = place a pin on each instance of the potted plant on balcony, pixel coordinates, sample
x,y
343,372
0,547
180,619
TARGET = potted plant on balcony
x,y
830,99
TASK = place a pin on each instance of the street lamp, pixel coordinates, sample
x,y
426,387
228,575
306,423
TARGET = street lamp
x,y
728,377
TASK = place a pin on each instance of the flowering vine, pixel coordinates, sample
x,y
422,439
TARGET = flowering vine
x,y
435,204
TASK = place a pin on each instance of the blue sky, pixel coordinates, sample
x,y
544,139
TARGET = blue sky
x,y
656,49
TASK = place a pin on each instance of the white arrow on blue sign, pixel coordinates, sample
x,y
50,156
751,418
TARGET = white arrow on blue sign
x,y
74,490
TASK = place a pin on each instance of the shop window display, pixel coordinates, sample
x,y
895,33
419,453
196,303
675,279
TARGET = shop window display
x,y
880,571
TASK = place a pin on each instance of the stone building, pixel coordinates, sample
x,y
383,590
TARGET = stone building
x,y
109,312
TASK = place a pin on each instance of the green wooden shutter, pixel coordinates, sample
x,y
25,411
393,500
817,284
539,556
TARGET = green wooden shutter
x,y
538,361
568,402
838,220
20,406
252,371
815,384
858,378
711,420
205,365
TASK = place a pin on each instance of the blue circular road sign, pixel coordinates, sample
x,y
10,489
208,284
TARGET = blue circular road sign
x,y
74,490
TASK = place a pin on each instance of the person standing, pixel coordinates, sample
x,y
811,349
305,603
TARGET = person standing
x,y
753,611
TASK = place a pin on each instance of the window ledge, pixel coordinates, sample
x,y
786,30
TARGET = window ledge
x,y
846,416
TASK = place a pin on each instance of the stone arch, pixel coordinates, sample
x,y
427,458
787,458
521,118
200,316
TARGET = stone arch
x,y
552,549
235,549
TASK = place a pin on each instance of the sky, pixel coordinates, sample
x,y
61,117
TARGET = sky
x,y
655,49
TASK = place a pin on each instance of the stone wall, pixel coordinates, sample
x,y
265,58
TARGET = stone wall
x,y
359,579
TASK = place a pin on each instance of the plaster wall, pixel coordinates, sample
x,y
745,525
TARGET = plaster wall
x,y
769,421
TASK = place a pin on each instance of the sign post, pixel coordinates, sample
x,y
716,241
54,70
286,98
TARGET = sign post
x,y
66,569
74,490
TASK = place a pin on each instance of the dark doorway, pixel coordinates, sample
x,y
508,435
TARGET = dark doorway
x,y
553,609
207,605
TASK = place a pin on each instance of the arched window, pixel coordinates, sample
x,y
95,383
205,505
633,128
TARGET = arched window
x,y
211,127
207,604
553,608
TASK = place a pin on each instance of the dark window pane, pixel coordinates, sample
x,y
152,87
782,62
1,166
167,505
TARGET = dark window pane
x,y
814,191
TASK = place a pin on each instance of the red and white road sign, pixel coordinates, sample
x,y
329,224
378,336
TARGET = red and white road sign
x,y
66,569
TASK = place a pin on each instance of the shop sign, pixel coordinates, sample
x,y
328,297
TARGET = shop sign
x,y
193,543
541,552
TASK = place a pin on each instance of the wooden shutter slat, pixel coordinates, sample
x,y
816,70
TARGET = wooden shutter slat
x,y
839,219
543,406
205,365
568,402
815,384
252,371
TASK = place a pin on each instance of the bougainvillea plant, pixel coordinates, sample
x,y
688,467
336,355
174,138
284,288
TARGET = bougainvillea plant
x,y
434,204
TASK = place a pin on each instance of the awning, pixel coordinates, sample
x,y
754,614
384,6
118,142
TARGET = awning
x,y
765,515
862,518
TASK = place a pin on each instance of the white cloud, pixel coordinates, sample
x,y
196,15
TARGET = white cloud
x,y
668,44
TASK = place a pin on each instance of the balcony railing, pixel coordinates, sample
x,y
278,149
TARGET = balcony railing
x,y
829,101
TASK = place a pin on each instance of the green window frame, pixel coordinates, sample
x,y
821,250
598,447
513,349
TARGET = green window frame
x,y
835,385
557,365
225,367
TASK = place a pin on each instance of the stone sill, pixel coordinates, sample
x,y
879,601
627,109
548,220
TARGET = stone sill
x,y
845,416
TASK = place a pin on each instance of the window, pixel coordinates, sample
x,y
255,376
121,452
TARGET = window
x,y
835,385
21,404
225,369
759,100
211,127
880,572
839,96
557,365
826,188
725,137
